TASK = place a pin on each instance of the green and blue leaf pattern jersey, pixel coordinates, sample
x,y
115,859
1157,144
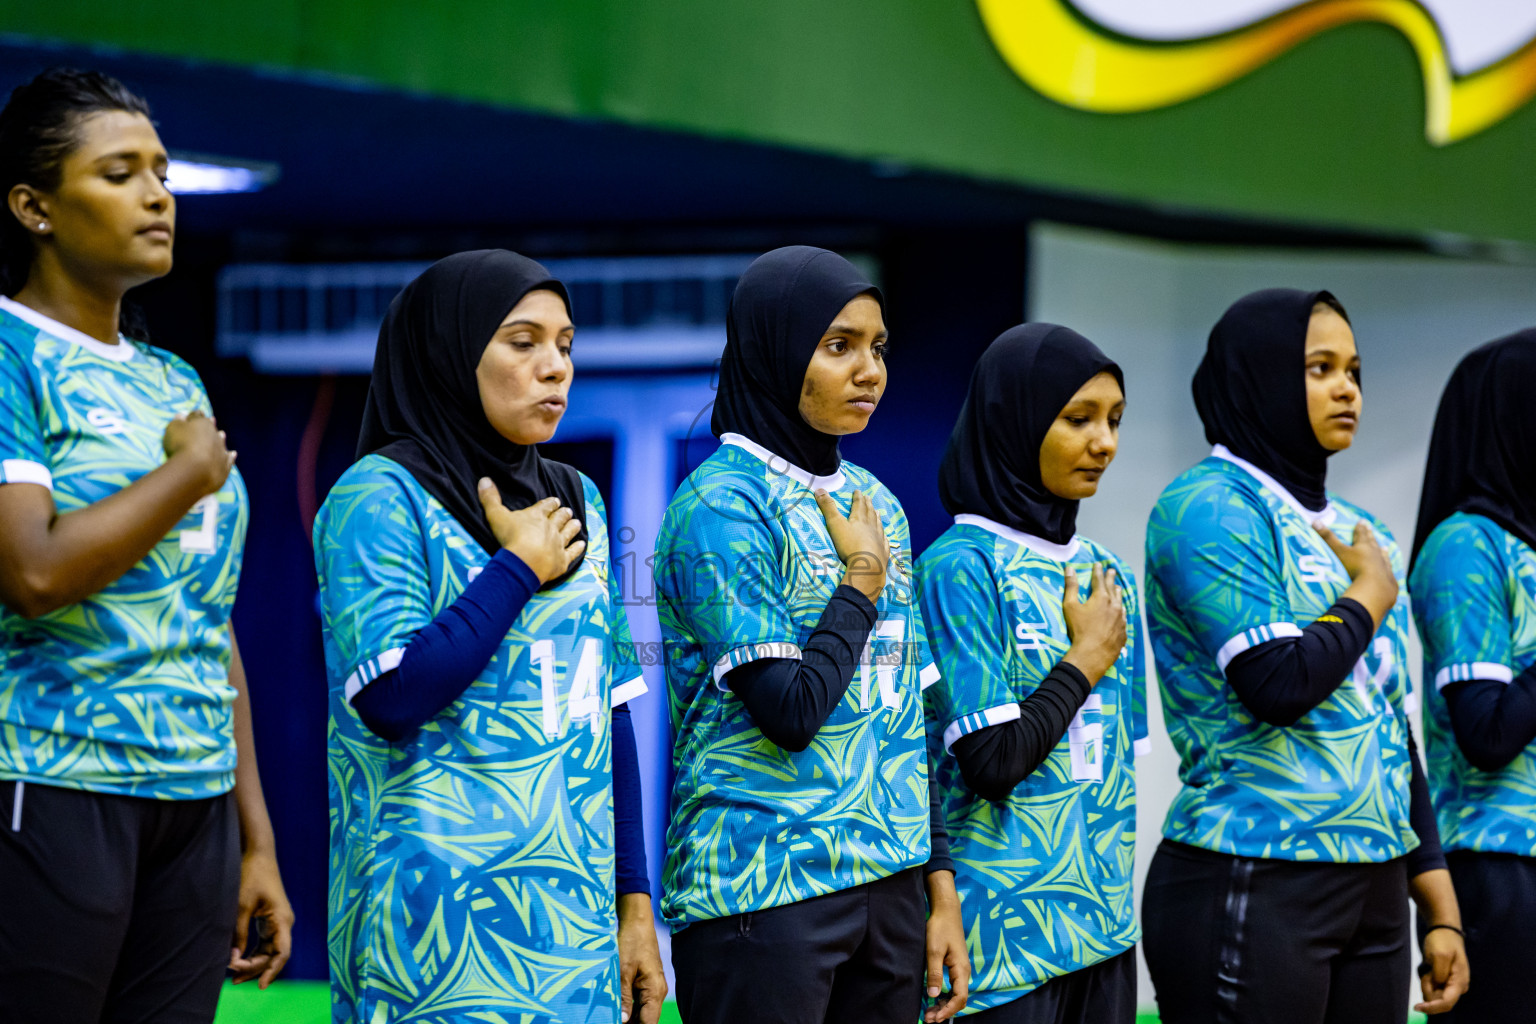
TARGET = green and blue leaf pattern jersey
x,y
126,692
472,865
1045,877
1232,561
744,569
1474,595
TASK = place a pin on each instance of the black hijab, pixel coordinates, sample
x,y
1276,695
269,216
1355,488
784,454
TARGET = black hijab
x,y
1020,385
424,408
1482,454
1251,389
783,304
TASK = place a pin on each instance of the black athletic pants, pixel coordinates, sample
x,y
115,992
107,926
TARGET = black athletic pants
x,y
1239,940
849,957
1102,994
114,909
1497,893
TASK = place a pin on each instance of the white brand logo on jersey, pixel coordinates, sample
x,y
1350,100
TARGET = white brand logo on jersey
x,y
106,421
1031,636
1314,569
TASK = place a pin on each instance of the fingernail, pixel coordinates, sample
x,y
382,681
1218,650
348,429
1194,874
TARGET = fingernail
x,y
485,482
933,991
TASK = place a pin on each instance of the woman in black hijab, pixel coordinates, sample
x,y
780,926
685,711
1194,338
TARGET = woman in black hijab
x,y
801,822
1474,595
479,661
1280,891
1039,710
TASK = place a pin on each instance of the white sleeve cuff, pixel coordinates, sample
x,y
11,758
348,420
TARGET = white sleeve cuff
x,y
979,720
371,669
754,652
928,676
1142,747
25,471
628,691
1252,638
1470,670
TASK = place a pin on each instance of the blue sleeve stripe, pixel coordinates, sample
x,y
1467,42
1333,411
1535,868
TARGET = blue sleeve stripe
x,y
929,675
1252,638
754,652
966,724
628,691
1467,671
25,471
371,669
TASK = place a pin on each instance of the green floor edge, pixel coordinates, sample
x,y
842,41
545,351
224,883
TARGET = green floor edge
x,y
308,1002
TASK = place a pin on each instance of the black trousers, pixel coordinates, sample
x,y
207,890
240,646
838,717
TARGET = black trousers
x,y
849,957
1238,940
1497,893
114,909
1102,994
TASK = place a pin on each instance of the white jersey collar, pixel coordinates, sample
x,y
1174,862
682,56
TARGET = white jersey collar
x,y
1056,552
120,353
1325,517
784,466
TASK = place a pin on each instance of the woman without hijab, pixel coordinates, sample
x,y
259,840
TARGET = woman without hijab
x,y
1281,652
475,645
1473,583
1040,708
800,834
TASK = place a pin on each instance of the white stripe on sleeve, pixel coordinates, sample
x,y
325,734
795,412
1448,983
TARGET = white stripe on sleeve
x,y
25,471
1249,638
979,720
1467,671
370,670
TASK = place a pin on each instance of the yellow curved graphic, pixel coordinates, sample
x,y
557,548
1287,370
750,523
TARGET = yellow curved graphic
x,y
1062,55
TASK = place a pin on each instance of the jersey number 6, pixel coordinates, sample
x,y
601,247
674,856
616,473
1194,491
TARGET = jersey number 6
x,y
581,700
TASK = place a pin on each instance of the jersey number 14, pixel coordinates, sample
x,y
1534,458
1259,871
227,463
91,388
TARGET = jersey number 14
x,y
582,702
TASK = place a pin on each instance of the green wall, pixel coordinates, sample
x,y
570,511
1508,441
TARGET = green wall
x,y
1331,133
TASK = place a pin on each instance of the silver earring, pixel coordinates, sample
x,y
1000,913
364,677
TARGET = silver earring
x,y
42,225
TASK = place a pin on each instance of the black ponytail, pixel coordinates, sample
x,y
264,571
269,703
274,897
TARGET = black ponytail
x,y
38,129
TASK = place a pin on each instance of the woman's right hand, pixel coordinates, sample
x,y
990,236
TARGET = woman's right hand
x,y
1373,583
197,440
1096,626
860,542
542,535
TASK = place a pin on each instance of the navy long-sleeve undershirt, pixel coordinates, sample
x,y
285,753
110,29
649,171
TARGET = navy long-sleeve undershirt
x,y
997,758
789,700
1494,722
447,654
631,874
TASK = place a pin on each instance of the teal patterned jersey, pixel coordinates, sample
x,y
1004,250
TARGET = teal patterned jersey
x,y
127,691
1233,561
744,569
1474,595
472,864
1045,877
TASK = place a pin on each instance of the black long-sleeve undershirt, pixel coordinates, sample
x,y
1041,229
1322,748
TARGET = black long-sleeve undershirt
x,y
1427,856
1494,722
1280,680
997,758
790,700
